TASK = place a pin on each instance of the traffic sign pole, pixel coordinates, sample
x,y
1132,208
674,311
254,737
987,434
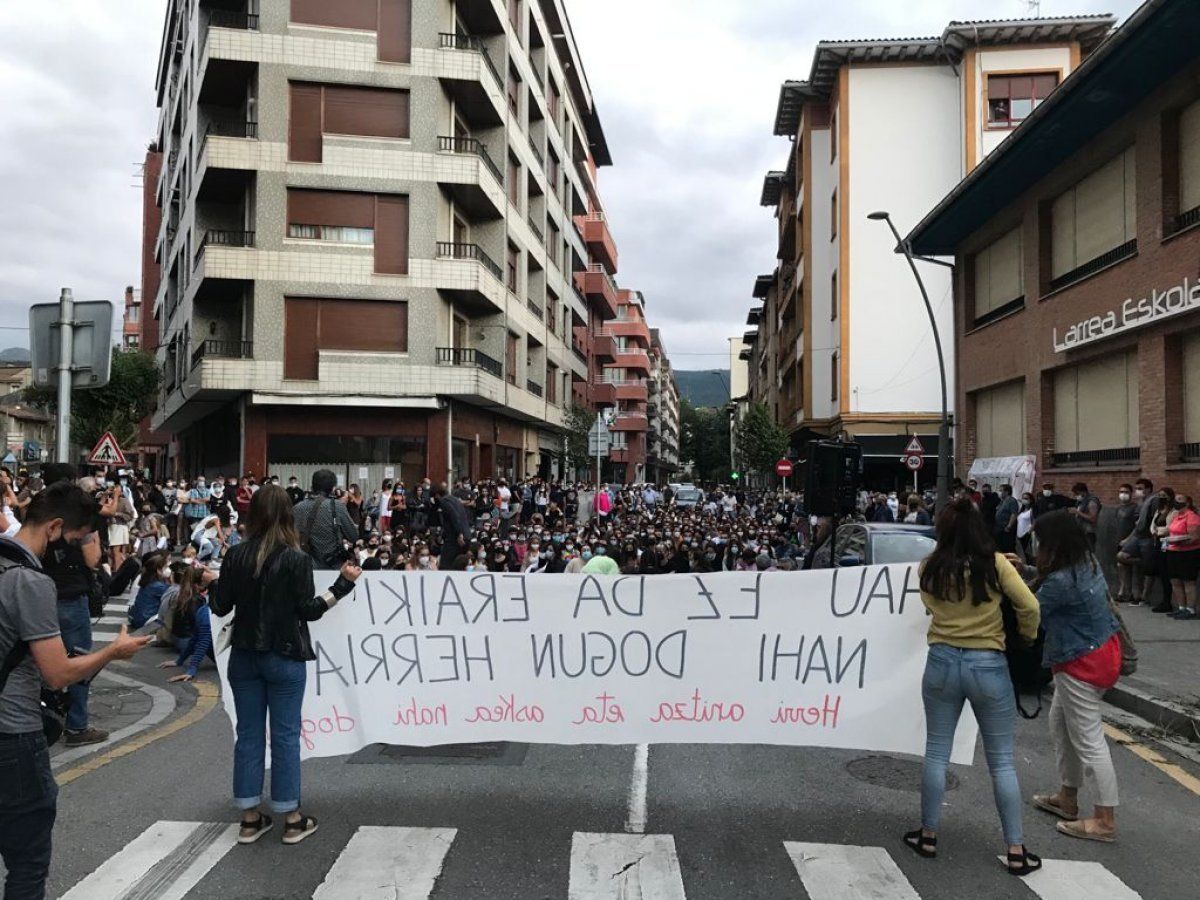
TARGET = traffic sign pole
x,y
66,353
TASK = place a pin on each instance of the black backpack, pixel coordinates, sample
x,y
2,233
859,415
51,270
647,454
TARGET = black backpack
x,y
1025,667
54,703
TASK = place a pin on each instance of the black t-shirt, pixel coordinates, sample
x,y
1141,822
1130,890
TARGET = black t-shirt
x,y
65,564
295,492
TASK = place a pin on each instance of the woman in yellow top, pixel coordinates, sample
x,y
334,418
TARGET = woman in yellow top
x,y
961,585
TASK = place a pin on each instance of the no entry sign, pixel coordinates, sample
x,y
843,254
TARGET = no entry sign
x,y
784,468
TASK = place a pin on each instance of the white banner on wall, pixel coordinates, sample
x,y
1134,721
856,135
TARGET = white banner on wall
x,y
821,659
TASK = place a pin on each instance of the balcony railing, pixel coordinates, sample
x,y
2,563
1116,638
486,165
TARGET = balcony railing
x,y
598,269
1190,452
1186,220
468,357
1116,255
534,387
1117,457
536,310
537,154
228,18
533,226
446,250
211,349
469,145
470,43
231,128
579,352
219,238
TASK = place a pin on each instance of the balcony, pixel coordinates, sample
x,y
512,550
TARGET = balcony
x,y
473,82
231,128
599,288
446,250
595,232
633,359
533,387
604,348
603,394
479,188
212,349
229,18
635,328
631,391
536,229
469,358
220,238
538,312
631,422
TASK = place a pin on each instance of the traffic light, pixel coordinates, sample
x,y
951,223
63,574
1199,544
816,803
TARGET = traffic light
x,y
735,476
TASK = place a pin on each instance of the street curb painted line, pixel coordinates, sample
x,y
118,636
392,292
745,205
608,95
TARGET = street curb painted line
x,y
1165,714
635,821
1177,773
162,705
206,699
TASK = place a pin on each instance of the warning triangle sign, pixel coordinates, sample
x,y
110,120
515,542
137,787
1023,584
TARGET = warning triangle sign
x,y
915,447
107,452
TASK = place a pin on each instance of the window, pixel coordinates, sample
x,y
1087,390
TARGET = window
x,y
514,260
391,20
998,274
1095,217
514,93
510,358
552,172
514,181
379,220
318,109
514,16
1011,98
835,298
1000,421
333,234
833,136
1190,352
551,383
312,325
133,314
552,101
553,240
834,376
1189,158
833,215
1096,405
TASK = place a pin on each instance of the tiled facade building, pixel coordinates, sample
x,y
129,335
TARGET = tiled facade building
x,y
838,340
382,248
662,407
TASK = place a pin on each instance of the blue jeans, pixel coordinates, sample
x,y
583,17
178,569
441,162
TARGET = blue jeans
x,y
28,804
952,676
75,623
266,683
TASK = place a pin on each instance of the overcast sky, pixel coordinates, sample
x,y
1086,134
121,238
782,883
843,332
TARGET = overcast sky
x,y
686,90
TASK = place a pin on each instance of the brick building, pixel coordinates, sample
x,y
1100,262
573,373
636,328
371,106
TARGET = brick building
x,y
1077,288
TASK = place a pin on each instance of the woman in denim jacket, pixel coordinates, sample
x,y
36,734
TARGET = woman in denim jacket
x,y
1084,652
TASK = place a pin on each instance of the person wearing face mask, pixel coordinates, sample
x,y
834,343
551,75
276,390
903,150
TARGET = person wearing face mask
x,y
1087,511
1183,557
601,563
1126,521
196,508
1005,520
1160,524
1025,526
156,577
1049,501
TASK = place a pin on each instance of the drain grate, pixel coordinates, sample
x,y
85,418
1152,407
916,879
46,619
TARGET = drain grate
x,y
889,772
495,753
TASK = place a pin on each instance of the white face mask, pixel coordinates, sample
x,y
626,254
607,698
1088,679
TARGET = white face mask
x,y
1124,497
1047,493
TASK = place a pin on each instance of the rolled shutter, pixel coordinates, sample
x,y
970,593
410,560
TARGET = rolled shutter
x,y
391,235
375,112
1191,388
304,124
1063,235
300,338
1100,211
395,31
339,208
1005,269
1189,158
360,14
369,325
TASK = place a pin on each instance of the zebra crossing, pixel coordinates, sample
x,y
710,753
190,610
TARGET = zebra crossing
x,y
107,627
169,859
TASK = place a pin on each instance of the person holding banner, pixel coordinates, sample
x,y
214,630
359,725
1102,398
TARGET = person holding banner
x,y
962,585
267,583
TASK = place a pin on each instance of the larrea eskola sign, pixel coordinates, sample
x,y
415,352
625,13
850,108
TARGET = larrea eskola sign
x,y
1132,314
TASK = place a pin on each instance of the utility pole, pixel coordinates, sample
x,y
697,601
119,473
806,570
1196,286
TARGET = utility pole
x,y
66,352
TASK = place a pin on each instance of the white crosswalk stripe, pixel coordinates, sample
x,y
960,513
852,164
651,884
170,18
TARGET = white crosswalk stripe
x,y
410,858
164,862
843,872
170,859
618,866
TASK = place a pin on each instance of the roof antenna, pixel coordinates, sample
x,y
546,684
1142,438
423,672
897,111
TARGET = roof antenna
x,y
1034,8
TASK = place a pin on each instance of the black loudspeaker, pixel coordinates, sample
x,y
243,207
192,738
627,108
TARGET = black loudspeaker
x,y
833,477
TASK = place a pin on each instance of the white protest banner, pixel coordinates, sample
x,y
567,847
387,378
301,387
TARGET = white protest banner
x,y
823,659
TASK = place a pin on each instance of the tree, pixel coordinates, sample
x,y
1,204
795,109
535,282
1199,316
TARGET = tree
x,y
760,442
117,407
704,441
579,421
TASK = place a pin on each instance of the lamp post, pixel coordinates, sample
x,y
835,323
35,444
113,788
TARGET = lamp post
x,y
943,467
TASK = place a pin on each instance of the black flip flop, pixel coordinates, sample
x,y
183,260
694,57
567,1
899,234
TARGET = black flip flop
x,y
921,845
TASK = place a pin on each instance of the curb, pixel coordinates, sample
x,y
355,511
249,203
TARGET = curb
x,y
162,705
1170,716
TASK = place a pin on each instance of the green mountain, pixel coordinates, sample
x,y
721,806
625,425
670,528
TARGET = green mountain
x,y
705,388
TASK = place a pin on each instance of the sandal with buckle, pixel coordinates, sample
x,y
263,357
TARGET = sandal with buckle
x,y
1045,802
295,832
1023,863
920,844
253,830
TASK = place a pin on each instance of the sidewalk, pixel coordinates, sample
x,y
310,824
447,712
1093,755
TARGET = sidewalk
x,y
1166,689
121,706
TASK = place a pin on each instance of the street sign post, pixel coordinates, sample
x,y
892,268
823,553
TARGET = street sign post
x,y
784,470
914,458
107,452
74,341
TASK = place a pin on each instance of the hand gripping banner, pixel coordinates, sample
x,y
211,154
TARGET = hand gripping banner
x,y
823,659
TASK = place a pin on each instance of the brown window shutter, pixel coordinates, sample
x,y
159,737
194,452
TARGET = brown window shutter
x,y
341,208
391,235
371,325
375,112
304,125
300,337
361,14
395,31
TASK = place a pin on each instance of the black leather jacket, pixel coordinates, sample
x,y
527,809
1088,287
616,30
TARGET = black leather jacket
x,y
271,611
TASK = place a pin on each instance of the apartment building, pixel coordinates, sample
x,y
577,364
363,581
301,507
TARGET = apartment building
x,y
622,349
839,340
131,320
1077,302
662,408
382,249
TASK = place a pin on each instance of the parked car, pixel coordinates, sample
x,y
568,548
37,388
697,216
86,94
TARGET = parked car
x,y
687,497
872,544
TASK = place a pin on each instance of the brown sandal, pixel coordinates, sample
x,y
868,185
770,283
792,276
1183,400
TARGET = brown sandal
x,y
1086,831
1045,802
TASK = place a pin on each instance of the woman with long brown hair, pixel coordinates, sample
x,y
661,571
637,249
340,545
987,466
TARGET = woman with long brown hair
x,y
963,583
268,584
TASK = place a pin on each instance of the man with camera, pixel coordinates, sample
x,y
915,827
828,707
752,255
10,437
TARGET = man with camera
x,y
32,652
325,524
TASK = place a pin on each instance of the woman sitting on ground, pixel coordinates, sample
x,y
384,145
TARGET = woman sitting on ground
x,y
190,623
156,576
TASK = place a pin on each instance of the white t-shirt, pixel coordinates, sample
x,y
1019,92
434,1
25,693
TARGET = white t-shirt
x,y
1024,523
505,496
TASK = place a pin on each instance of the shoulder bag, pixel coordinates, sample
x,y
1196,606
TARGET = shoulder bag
x,y
1025,667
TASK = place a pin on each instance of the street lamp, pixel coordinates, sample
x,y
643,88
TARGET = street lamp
x,y
943,469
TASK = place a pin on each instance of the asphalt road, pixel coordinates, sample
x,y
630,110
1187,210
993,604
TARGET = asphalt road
x,y
529,822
